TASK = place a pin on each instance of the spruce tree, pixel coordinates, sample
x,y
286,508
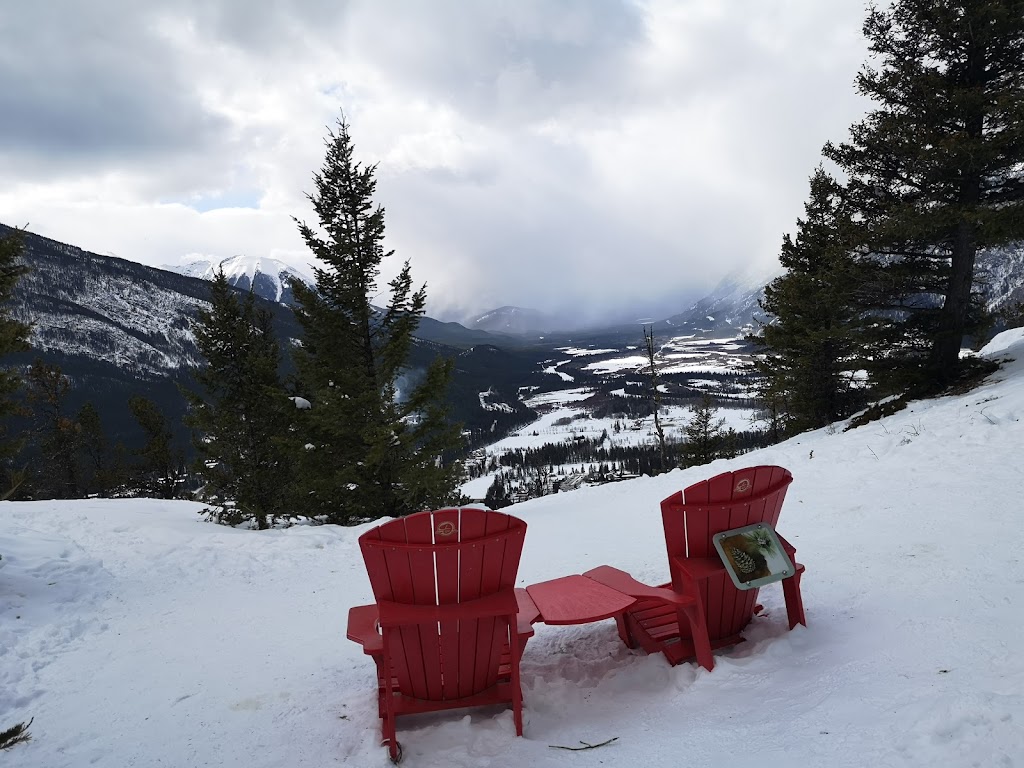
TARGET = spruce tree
x,y
13,338
158,466
935,173
241,417
94,449
810,344
375,441
55,434
706,436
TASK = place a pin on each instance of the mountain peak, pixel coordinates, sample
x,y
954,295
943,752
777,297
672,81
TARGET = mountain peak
x,y
268,278
512,320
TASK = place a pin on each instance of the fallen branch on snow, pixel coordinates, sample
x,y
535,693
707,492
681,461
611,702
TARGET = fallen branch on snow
x,y
585,745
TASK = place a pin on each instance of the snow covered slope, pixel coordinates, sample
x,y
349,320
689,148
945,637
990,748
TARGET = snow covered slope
x,y
135,634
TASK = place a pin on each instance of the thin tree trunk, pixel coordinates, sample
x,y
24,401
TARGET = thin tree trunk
x,y
945,352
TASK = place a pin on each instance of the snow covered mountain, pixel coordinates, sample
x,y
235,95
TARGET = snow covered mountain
x,y
116,328
268,278
515,321
732,308
1003,271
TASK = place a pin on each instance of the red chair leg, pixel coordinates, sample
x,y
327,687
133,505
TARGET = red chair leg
x,y
794,600
388,728
694,614
516,654
624,633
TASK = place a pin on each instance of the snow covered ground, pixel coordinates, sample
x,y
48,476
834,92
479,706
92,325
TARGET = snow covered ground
x,y
137,635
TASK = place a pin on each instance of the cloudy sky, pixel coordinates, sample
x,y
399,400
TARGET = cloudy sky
x,y
608,156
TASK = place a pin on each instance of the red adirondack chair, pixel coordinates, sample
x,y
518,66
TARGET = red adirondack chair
x,y
691,518
445,630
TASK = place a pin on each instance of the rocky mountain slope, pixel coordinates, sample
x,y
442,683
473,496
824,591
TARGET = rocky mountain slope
x,y
118,329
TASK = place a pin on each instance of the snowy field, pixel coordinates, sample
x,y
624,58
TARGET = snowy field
x,y
564,404
678,355
137,635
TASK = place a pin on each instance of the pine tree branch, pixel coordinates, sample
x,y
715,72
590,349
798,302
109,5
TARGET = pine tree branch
x,y
17,734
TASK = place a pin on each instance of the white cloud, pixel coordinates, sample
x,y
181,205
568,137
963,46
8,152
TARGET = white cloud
x,y
576,154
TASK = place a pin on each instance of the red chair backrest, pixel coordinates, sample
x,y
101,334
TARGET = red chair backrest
x,y
729,500
694,515
444,558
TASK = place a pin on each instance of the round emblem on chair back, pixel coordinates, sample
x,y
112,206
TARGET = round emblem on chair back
x,y
447,528
743,485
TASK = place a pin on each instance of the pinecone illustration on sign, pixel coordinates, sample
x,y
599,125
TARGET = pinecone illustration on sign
x,y
747,557
744,563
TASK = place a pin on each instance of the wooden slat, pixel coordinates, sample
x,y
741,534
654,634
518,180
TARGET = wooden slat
x,y
403,642
472,527
422,650
500,565
673,518
447,564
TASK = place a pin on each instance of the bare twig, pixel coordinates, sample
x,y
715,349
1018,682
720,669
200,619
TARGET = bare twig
x,y
585,745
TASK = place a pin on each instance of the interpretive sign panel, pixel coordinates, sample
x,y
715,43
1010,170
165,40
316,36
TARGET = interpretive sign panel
x,y
753,555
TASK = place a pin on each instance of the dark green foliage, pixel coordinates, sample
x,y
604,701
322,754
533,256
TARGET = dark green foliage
x,y
98,472
810,344
497,494
707,438
17,734
373,443
935,173
13,338
241,416
55,434
158,468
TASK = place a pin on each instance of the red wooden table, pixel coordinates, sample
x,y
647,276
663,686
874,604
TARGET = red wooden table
x,y
577,600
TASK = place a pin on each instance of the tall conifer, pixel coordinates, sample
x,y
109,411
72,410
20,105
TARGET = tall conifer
x,y
56,434
809,344
241,416
935,173
373,443
13,338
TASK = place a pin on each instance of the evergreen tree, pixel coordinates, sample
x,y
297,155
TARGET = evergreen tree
x,y
241,417
369,448
706,437
13,338
95,465
935,173
158,465
810,341
56,435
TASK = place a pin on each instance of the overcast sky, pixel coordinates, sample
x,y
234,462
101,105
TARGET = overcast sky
x,y
591,154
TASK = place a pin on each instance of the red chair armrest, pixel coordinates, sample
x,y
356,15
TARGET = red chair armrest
x,y
528,613
501,603
790,549
627,585
362,628
697,568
